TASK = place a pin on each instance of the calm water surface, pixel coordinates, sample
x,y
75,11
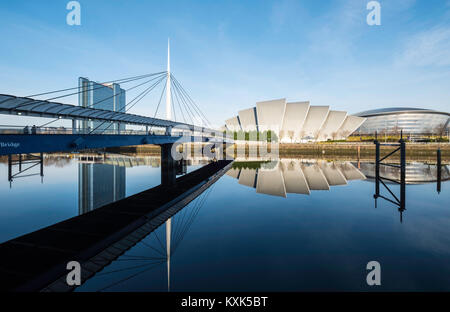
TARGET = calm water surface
x,y
284,226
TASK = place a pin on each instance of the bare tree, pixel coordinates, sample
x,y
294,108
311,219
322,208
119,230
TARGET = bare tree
x,y
291,135
334,135
396,130
440,129
302,134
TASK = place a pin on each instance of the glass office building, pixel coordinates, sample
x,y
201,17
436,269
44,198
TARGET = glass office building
x,y
109,97
409,120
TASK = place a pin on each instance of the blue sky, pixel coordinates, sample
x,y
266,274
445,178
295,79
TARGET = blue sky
x,y
230,54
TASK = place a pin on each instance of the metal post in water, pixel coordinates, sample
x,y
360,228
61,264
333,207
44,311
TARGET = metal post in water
x,y
402,174
9,168
377,167
42,167
439,168
20,162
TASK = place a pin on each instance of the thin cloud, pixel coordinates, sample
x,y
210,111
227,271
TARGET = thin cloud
x,y
427,48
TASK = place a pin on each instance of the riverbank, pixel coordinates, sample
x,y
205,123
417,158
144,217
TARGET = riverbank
x,y
364,150
330,151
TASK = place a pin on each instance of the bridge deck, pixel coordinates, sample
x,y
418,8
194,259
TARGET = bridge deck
x,y
47,143
36,260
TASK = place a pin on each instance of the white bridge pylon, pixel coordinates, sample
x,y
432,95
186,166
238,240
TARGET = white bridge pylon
x,y
168,84
168,117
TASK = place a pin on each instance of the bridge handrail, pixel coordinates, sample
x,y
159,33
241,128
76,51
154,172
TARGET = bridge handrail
x,y
15,129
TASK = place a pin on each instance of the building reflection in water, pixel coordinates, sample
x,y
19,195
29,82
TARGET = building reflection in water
x,y
416,173
99,184
102,177
285,176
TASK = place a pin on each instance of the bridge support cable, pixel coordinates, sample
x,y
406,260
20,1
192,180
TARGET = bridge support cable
x,y
133,102
172,104
159,104
107,98
190,103
188,106
175,99
150,266
194,212
181,104
114,95
150,262
78,92
208,123
185,104
50,122
127,90
189,100
122,80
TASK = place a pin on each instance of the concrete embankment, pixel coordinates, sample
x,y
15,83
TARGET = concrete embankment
x,y
414,151
350,151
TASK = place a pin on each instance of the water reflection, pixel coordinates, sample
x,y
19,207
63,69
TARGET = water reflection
x,y
98,185
222,241
102,177
416,173
285,176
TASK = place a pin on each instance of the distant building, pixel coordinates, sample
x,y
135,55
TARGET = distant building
x,y
101,96
295,122
410,120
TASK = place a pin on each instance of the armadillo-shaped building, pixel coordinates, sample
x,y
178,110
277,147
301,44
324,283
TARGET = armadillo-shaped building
x,y
296,121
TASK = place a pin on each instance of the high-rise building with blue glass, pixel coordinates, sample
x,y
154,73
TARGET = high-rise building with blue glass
x,y
101,96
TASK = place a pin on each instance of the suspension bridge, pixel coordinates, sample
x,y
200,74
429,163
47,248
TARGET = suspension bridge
x,y
100,236
109,130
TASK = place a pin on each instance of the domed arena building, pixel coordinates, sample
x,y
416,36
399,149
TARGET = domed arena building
x,y
413,121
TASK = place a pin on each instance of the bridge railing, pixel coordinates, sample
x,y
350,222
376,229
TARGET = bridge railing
x,y
33,130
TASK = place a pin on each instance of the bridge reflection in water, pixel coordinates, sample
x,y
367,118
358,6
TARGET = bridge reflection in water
x,y
102,179
99,235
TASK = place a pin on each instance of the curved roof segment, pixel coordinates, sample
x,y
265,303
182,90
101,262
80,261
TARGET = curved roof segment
x,y
398,110
297,112
247,117
331,126
409,120
233,124
295,122
270,114
314,121
349,126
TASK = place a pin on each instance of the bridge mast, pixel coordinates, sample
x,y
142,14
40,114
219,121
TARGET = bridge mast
x,y
168,117
168,93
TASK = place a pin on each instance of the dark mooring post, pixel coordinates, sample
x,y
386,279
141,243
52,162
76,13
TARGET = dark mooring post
x,y
9,168
439,169
377,167
402,175
168,165
20,162
41,158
